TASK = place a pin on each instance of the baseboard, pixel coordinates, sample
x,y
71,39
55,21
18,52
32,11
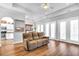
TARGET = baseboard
x,y
18,42
67,41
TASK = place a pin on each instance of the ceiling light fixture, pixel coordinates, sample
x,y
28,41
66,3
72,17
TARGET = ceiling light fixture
x,y
45,6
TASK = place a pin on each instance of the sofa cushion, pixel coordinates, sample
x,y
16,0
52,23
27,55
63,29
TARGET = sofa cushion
x,y
24,35
45,41
39,43
40,34
35,35
28,36
32,44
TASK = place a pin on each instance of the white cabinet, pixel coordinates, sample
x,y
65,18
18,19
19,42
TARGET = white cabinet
x,y
7,31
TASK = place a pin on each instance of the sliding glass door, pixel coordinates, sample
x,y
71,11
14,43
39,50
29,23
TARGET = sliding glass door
x,y
63,30
74,30
47,29
53,30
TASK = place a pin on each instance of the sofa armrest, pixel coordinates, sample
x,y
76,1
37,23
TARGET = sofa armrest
x,y
25,42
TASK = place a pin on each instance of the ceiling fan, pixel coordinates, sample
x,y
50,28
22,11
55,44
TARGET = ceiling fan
x,y
46,6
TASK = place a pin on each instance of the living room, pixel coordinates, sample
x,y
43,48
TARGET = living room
x,y
39,29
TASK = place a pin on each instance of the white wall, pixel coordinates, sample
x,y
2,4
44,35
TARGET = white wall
x,y
6,12
27,21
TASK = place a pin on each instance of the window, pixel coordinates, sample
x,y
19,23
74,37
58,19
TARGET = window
x,y
53,30
38,28
42,28
47,29
63,30
74,30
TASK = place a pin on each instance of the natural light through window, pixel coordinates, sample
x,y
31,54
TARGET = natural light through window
x,y
47,29
42,28
74,30
38,28
53,30
63,30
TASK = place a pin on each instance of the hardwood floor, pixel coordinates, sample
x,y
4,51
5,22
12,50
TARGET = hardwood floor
x,y
54,48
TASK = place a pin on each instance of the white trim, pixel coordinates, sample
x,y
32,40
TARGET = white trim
x,y
67,41
18,42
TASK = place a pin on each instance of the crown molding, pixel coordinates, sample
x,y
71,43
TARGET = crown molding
x,y
59,12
